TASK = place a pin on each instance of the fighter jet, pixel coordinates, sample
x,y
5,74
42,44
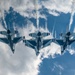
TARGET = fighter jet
x,y
38,42
10,39
66,40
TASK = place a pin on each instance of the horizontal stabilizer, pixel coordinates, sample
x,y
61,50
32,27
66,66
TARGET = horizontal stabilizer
x,y
33,34
3,32
45,34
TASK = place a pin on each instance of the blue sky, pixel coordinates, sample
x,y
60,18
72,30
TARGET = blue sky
x,y
52,66
24,61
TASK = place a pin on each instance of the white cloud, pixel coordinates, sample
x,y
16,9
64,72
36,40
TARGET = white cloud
x,y
71,51
4,5
51,51
54,13
26,7
60,6
24,61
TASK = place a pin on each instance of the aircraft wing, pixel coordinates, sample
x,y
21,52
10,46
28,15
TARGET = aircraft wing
x,y
46,42
5,40
60,42
63,47
71,41
30,43
3,32
17,39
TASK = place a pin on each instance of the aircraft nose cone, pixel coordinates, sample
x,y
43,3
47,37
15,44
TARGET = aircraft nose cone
x,y
39,34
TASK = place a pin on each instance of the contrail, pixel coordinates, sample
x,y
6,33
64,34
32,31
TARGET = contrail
x,y
46,26
71,20
72,13
53,30
37,14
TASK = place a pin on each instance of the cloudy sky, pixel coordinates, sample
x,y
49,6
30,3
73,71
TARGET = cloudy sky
x,y
54,16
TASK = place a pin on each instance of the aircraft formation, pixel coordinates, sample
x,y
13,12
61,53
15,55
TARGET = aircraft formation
x,y
37,42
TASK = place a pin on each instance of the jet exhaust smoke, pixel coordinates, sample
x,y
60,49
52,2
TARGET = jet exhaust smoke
x,y
72,14
71,20
46,26
37,14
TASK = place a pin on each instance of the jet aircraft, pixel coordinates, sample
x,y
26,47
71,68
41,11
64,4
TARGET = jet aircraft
x,y
38,42
66,40
10,38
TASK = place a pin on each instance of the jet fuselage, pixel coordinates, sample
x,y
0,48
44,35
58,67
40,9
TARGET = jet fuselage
x,y
10,40
67,38
39,41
